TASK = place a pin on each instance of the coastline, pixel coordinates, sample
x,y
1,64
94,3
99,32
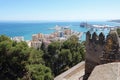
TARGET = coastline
x,y
117,21
27,29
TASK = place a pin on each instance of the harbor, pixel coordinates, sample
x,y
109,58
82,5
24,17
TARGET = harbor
x,y
61,33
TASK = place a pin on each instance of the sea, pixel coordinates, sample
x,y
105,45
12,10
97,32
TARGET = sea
x,y
27,29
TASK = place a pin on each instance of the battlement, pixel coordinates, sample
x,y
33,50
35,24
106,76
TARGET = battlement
x,y
101,38
101,49
94,38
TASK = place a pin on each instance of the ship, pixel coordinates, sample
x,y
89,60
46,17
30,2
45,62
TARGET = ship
x,y
83,24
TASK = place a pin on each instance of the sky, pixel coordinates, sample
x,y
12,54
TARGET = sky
x,y
59,10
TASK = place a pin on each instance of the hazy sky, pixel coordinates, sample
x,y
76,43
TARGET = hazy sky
x,y
71,10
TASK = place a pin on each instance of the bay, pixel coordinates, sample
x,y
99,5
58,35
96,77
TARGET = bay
x,y
26,29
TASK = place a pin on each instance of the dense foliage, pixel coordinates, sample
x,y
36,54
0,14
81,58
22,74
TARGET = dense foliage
x,y
61,56
118,30
19,62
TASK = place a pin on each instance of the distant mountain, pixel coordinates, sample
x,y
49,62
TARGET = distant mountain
x,y
117,20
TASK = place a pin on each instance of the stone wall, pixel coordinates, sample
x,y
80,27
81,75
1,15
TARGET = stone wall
x,y
100,50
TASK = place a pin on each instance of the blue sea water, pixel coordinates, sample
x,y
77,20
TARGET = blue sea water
x,y
26,29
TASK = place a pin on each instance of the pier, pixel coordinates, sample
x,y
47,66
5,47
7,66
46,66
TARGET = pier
x,y
101,28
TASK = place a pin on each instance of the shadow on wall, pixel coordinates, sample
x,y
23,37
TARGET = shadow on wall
x,y
100,50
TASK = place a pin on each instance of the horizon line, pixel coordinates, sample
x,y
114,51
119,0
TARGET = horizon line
x,y
53,20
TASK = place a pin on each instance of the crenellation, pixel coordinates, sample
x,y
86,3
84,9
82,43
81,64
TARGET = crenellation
x,y
88,36
101,50
101,38
94,37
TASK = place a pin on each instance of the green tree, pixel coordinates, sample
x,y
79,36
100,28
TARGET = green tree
x,y
118,31
43,47
35,57
4,38
63,55
52,56
65,58
19,62
12,60
39,72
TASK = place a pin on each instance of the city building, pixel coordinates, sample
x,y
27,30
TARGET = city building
x,y
34,37
60,34
18,38
36,44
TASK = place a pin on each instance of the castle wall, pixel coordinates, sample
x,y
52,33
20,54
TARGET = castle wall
x,y
100,50
94,48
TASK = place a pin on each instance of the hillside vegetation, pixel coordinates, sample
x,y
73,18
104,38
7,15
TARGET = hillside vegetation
x,y
19,62
118,31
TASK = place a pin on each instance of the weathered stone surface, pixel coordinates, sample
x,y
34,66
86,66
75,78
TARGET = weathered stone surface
x,y
75,73
101,50
110,71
